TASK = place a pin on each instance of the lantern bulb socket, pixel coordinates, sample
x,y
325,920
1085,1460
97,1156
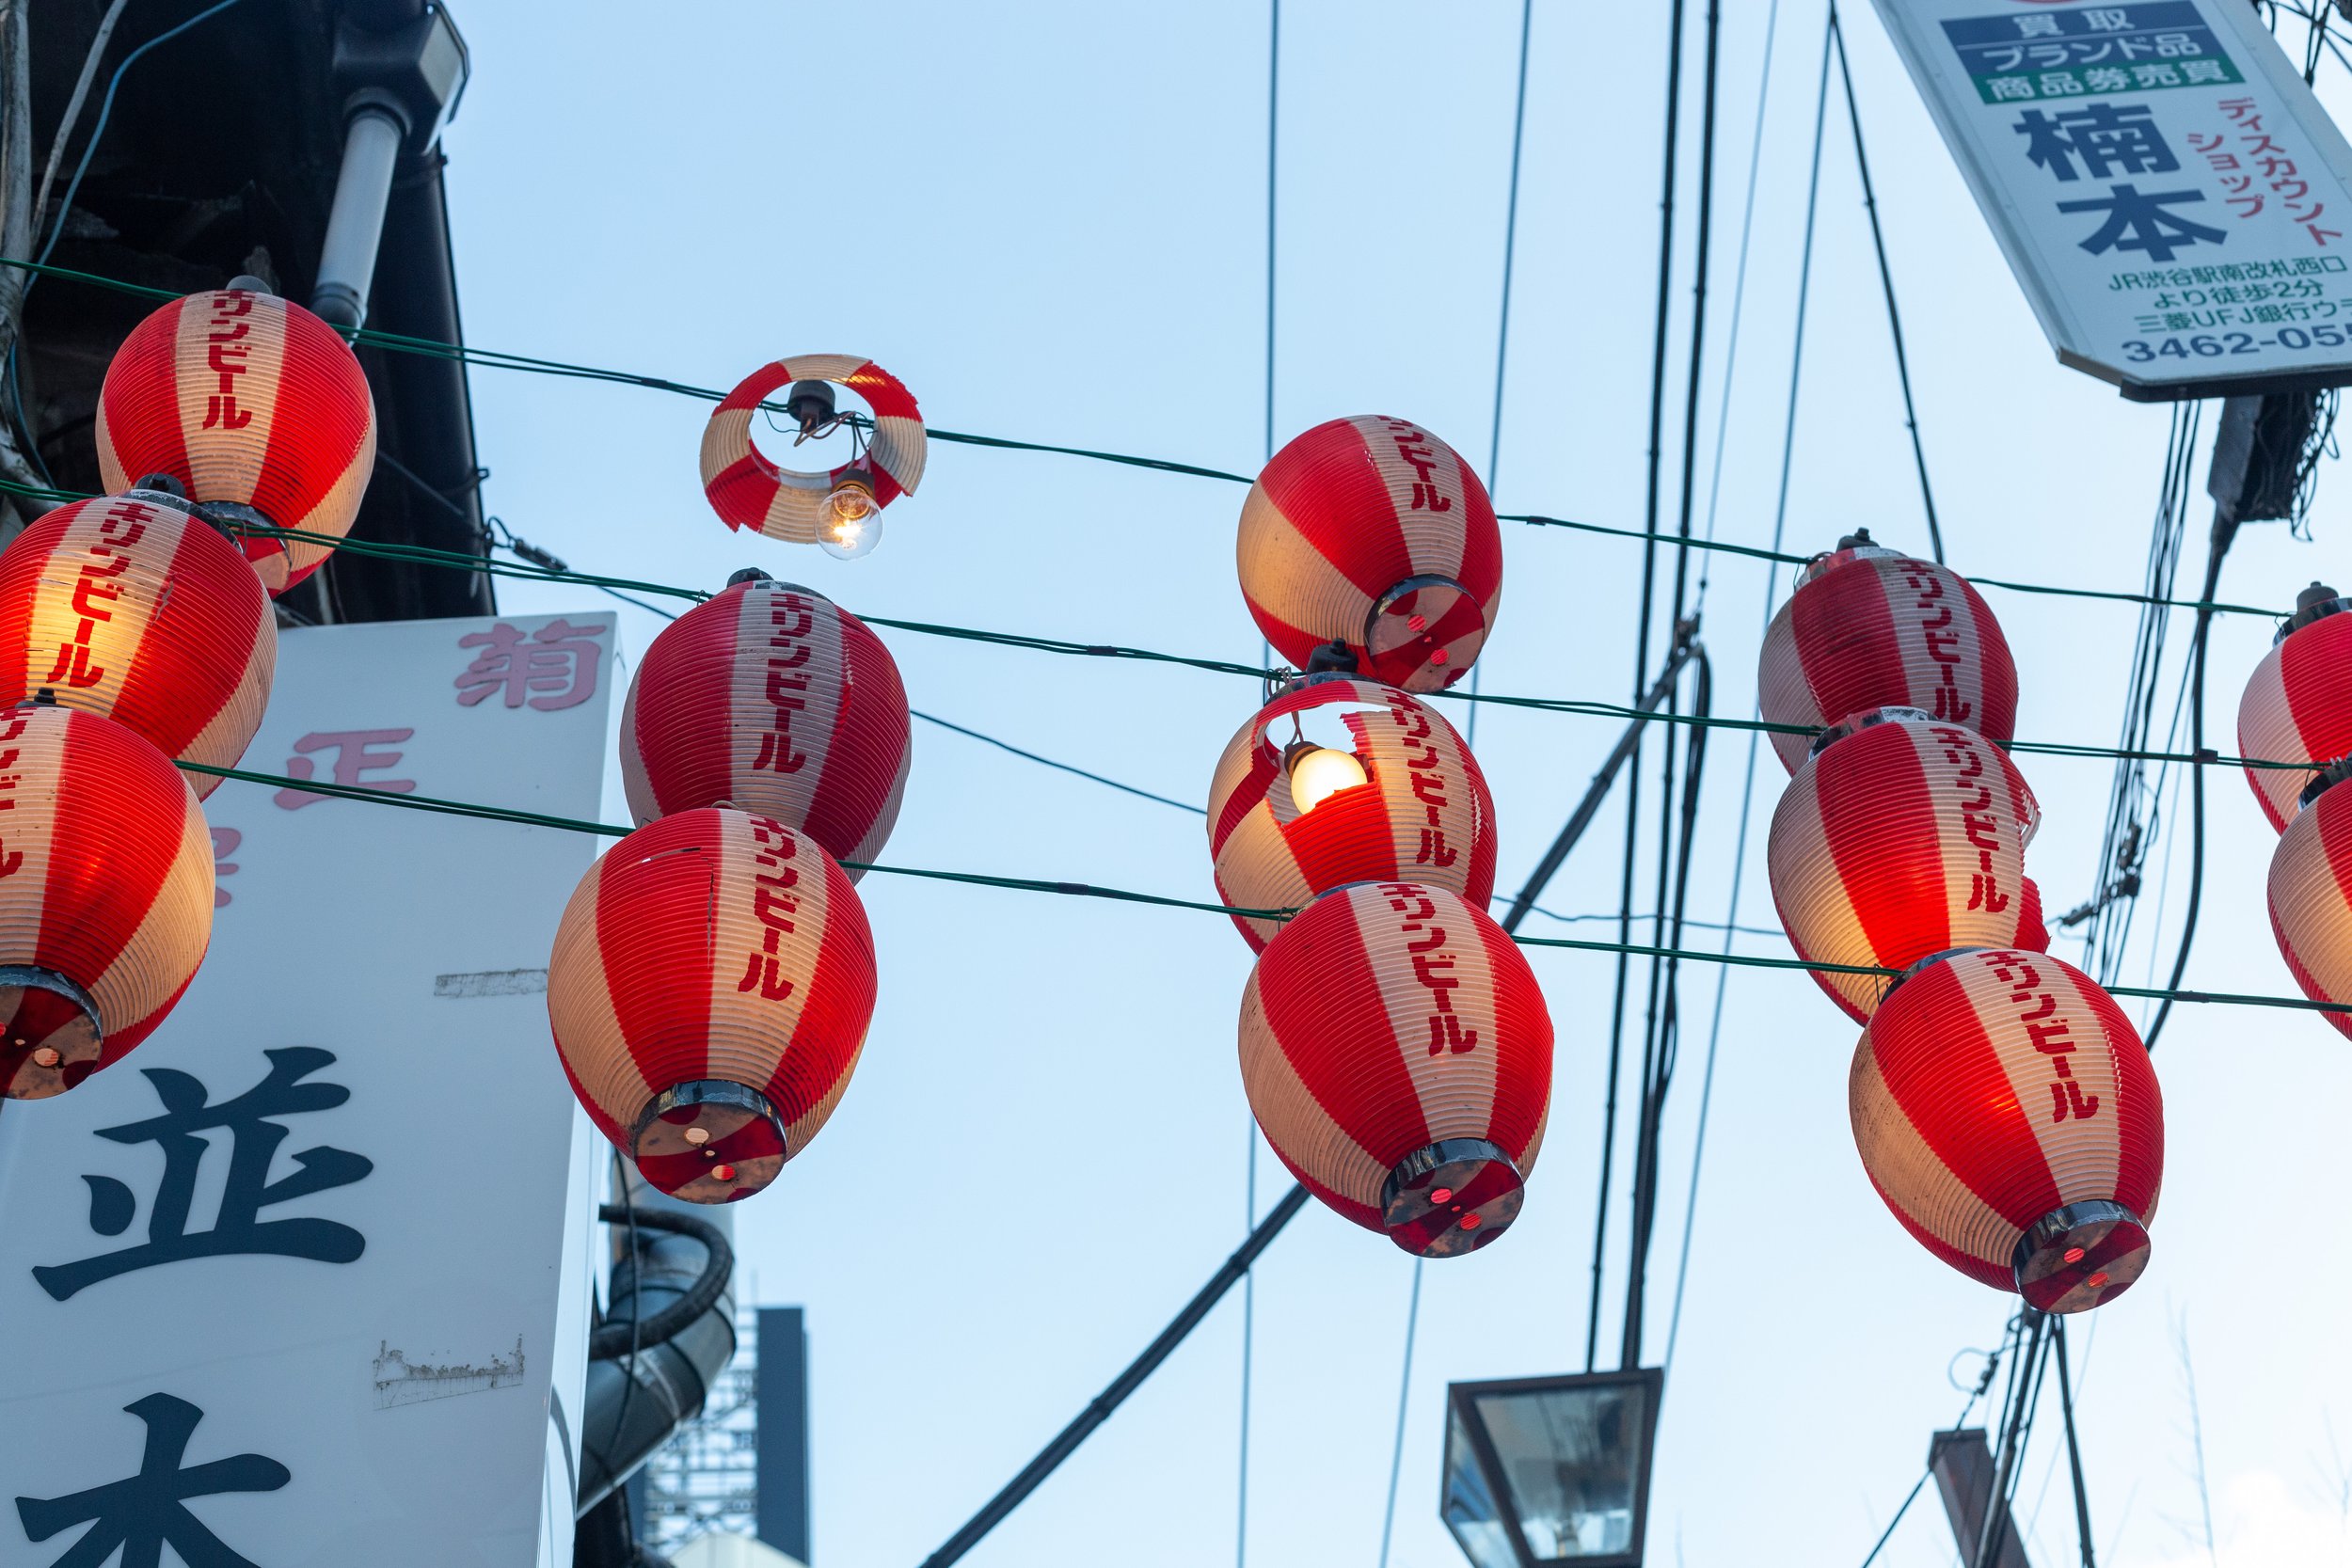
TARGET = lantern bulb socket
x,y
811,406
749,574
852,525
1318,772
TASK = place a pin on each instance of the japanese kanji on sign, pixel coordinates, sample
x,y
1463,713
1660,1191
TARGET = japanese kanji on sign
x,y
2171,197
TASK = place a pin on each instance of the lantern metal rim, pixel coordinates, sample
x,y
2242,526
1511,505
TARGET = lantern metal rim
x,y
2315,603
72,1046
2323,780
1380,622
1855,723
2080,1256
1827,561
742,1141
1451,1197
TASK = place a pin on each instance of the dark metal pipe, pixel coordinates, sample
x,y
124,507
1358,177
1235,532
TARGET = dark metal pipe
x,y
1099,1409
675,1288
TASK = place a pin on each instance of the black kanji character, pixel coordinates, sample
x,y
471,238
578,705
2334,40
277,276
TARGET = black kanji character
x,y
141,1514
2109,139
2137,222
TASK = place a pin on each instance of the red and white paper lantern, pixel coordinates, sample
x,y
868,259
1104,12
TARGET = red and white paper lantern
x,y
250,400
2297,708
1372,532
771,699
1422,812
2007,1112
710,988
1870,628
2311,900
748,490
105,894
1902,838
1398,1055
130,607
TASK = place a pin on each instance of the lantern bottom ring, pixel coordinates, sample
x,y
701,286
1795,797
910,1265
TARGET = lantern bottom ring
x,y
52,1039
1422,633
1855,723
1450,1197
2079,1256
708,1141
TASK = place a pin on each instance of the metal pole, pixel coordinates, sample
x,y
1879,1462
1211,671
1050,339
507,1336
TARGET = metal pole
x,y
1099,1409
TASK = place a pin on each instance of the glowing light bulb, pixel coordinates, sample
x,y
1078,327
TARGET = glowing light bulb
x,y
852,522
1317,772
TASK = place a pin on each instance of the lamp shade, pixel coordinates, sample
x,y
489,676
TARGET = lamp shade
x,y
1869,627
248,399
2298,707
1372,532
2007,1113
1398,1055
710,987
1902,838
748,490
771,699
2311,900
130,607
105,894
1422,812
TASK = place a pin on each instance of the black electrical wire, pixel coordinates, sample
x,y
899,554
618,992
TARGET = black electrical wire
x,y
2073,1449
2224,532
1886,282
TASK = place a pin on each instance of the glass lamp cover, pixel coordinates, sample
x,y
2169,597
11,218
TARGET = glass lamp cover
x,y
1560,1462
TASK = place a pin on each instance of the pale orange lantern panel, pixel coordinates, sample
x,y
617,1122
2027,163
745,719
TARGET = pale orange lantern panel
x,y
772,698
710,989
105,894
1901,838
1412,805
130,607
1397,1053
2311,898
251,402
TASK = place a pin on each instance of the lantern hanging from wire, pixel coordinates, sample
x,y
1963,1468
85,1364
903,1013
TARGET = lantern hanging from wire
x,y
839,509
771,698
1372,532
256,407
2298,705
1397,1053
132,608
2311,893
105,894
1395,794
2007,1112
1899,838
709,989
1872,627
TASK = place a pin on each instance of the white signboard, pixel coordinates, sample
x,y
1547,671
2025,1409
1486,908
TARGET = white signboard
x,y
303,1280
2173,197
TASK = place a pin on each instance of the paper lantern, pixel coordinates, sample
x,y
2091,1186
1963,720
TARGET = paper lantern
x,y
1398,1055
772,699
248,400
130,607
2311,899
1901,838
2297,708
1870,628
1372,532
710,987
840,508
1409,802
105,894
2007,1113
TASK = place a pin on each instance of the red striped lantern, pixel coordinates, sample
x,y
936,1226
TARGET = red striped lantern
x,y
2297,708
841,508
772,699
1413,805
1870,628
2311,898
710,988
249,400
2006,1111
105,894
1902,837
1372,532
1398,1055
130,607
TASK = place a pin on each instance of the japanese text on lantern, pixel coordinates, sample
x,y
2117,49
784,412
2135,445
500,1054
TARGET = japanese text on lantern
x,y
1432,966
790,619
225,352
11,860
1942,640
2047,1031
1972,792
773,906
1426,767
1418,450
120,526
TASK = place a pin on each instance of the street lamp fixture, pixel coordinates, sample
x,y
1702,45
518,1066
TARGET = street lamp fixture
x,y
1546,1470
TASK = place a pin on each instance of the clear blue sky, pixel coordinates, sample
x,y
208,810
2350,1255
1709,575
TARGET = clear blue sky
x,y
1049,220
